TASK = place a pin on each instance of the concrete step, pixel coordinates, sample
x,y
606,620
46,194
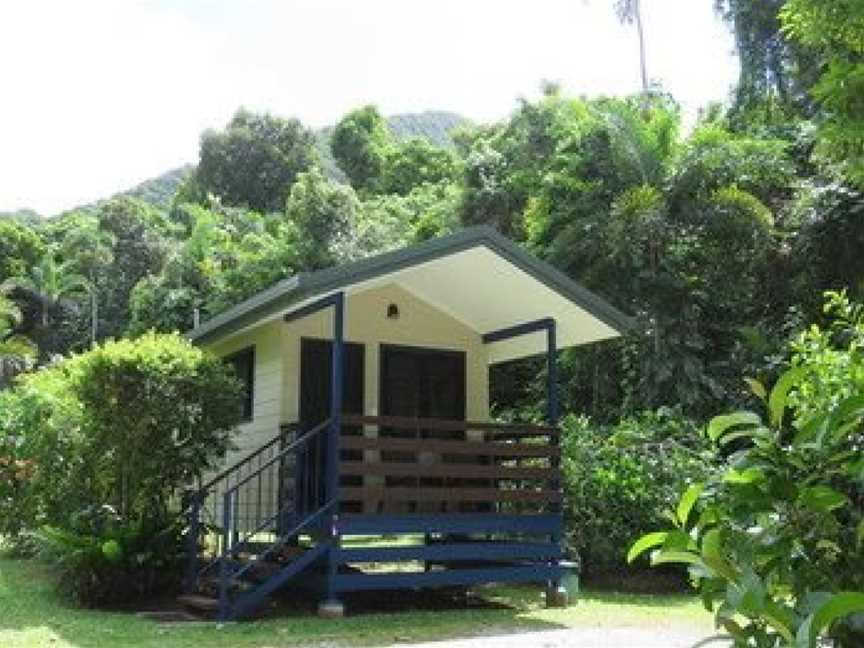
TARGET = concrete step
x,y
199,602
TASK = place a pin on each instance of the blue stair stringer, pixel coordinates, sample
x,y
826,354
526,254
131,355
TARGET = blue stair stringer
x,y
248,602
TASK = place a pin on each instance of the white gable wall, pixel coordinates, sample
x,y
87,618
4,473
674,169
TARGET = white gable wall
x,y
366,322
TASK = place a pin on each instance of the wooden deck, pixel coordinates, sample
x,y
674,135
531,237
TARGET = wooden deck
x,y
473,502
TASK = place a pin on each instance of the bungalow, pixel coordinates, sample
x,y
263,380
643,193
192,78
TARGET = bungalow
x,y
367,417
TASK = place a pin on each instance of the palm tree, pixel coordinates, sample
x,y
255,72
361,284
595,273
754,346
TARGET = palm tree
x,y
630,12
90,253
16,351
50,282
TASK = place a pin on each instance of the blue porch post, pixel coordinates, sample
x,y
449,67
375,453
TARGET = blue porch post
x,y
555,595
332,606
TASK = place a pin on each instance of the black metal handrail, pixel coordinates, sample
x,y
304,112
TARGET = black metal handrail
x,y
237,466
291,448
206,497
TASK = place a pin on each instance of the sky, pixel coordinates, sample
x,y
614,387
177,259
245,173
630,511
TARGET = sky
x,y
99,95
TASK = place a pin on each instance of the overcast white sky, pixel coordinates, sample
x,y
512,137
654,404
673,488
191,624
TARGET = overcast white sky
x,y
96,96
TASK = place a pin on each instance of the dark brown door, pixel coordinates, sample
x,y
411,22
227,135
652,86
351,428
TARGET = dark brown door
x,y
316,376
422,383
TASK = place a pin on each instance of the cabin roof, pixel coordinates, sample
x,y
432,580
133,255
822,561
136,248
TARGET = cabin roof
x,y
476,275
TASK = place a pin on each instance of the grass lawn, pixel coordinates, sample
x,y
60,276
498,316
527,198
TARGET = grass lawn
x,y
31,615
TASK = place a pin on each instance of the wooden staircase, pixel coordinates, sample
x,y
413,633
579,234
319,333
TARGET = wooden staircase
x,y
257,549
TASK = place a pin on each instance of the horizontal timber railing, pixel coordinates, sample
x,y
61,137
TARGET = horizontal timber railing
x,y
397,465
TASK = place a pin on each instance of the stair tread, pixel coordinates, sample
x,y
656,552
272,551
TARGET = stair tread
x,y
199,602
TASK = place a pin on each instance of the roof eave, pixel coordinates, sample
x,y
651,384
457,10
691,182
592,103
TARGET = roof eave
x,y
306,285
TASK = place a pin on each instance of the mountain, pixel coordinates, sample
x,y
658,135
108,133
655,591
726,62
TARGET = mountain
x,y
433,125
160,190
26,216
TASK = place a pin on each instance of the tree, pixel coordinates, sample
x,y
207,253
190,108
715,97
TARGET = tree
x,y
20,249
324,214
415,162
50,283
97,450
832,31
630,12
139,237
774,74
16,351
773,538
360,143
88,251
254,161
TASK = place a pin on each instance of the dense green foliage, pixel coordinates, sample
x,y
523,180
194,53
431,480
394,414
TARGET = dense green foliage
x,y
720,239
620,480
775,535
119,430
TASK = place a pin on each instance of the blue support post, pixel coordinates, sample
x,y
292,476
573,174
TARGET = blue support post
x,y
555,595
546,324
333,450
224,603
331,606
551,375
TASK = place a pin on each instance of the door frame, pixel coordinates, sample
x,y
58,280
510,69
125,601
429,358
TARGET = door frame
x,y
383,348
347,344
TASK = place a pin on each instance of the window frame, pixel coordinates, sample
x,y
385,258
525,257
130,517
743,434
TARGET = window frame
x,y
247,405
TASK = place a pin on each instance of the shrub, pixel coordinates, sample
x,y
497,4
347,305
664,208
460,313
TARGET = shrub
x,y
621,480
774,538
124,427
105,559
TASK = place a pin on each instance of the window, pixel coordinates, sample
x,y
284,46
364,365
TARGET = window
x,y
243,363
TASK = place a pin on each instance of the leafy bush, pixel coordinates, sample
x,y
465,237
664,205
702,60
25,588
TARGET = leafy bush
x,y
127,425
774,539
104,559
620,481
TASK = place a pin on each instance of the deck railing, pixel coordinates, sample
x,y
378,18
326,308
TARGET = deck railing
x,y
406,465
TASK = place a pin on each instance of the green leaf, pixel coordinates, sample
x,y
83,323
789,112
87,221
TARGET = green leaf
x,y
780,620
112,551
860,534
735,630
746,476
688,499
779,395
647,541
760,433
686,557
712,556
757,388
822,499
719,425
838,606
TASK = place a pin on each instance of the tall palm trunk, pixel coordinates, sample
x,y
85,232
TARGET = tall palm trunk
x,y
643,67
94,316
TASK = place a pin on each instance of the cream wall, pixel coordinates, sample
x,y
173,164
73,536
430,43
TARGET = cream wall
x,y
419,324
268,387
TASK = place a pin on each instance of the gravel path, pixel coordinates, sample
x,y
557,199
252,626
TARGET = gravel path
x,y
582,638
